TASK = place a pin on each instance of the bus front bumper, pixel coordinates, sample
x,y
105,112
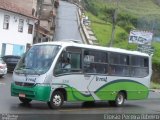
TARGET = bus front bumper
x,y
40,92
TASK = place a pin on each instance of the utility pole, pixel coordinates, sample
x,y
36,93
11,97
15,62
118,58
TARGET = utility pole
x,y
114,17
39,9
79,2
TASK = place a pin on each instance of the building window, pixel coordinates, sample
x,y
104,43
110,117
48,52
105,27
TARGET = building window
x,y
20,26
30,29
33,11
6,22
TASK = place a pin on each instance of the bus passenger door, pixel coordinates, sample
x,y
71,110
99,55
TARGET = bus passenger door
x,y
96,79
90,88
95,66
95,85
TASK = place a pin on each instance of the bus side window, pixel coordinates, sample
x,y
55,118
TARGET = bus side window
x,y
139,66
95,61
91,68
69,61
58,67
76,62
63,64
111,70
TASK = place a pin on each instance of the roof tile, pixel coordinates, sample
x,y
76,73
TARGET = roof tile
x,y
9,6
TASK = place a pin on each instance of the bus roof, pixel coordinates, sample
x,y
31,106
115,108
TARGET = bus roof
x,y
94,47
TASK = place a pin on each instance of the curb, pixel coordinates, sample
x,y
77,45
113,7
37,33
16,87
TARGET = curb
x,y
88,34
80,27
87,38
155,90
1,83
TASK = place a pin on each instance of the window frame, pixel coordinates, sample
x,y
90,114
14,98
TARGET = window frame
x,y
126,67
6,22
95,62
30,29
21,25
141,67
129,65
71,71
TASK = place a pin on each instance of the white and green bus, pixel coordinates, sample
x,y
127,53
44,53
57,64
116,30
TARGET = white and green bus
x,y
94,74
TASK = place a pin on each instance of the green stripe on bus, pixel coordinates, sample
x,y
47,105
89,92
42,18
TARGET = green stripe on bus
x,y
134,90
109,91
75,95
41,93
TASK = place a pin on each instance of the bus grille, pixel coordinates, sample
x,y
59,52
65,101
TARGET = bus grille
x,y
25,84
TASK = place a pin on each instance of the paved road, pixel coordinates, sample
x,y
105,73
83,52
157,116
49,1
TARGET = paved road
x,y
67,22
76,110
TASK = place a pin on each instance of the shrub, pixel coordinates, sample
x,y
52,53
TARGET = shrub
x,y
122,36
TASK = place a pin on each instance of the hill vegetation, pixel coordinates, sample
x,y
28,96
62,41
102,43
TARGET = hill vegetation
x,y
135,14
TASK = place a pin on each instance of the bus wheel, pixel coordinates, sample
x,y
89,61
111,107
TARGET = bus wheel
x,y
119,101
25,100
56,101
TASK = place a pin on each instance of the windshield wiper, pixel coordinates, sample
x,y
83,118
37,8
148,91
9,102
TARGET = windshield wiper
x,y
27,68
30,68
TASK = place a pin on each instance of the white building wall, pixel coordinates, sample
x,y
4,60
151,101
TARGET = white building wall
x,y
11,35
34,4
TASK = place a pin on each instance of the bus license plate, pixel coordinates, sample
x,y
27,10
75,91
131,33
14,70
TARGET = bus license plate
x,y
22,95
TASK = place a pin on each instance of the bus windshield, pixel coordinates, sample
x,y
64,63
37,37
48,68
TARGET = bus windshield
x,y
37,60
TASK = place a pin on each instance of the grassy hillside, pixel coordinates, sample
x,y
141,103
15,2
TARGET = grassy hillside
x,y
138,7
141,14
134,7
131,14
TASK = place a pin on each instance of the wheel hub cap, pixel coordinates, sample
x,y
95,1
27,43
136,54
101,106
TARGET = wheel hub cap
x,y
57,100
120,99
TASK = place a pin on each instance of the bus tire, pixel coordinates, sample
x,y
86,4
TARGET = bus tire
x,y
119,101
56,100
25,100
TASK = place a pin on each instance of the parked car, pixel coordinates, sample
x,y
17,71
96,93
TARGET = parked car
x,y
11,61
3,68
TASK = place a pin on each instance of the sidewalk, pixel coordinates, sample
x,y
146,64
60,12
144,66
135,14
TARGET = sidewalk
x,y
155,90
85,29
